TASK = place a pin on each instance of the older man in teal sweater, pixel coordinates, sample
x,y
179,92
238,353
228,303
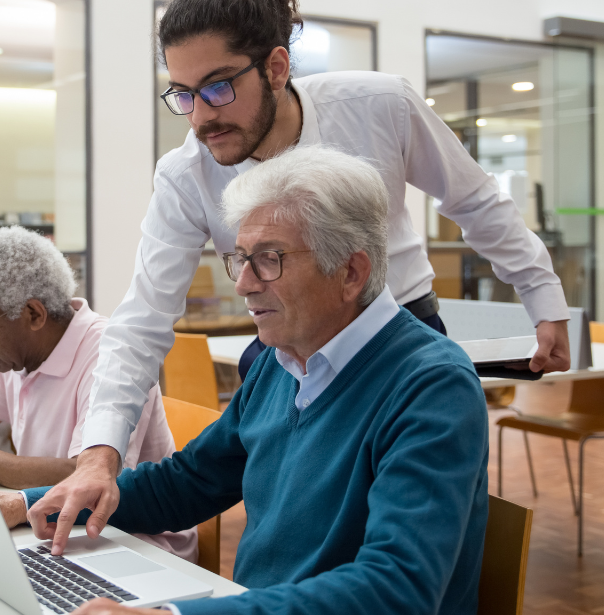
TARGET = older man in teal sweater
x,y
359,441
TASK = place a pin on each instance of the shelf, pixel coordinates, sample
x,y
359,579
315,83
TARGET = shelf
x,y
47,228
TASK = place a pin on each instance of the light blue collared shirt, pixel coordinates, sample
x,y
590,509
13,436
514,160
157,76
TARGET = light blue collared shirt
x,y
323,366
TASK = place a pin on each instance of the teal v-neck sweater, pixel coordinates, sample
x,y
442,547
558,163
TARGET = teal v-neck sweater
x,y
371,500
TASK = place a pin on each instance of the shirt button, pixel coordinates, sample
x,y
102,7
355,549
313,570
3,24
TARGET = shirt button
x,y
306,403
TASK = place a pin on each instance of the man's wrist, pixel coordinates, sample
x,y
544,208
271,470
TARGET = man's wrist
x,y
103,456
14,509
553,322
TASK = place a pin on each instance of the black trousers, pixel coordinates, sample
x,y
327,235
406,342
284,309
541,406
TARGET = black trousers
x,y
256,347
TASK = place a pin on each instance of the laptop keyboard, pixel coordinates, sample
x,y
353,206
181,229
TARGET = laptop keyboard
x,y
63,586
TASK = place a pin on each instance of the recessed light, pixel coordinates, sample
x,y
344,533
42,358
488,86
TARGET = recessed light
x,y
509,138
523,86
431,102
481,122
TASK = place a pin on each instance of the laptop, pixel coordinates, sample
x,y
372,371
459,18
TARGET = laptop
x,y
32,581
506,357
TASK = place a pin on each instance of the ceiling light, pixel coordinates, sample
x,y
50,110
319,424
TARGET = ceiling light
x,y
431,102
509,138
481,122
1,51
523,86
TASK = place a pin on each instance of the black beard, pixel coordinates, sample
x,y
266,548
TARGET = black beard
x,y
262,124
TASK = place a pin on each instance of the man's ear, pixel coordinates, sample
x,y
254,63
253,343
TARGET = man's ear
x,y
277,68
35,314
358,270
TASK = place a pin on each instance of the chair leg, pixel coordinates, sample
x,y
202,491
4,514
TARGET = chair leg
x,y
580,503
530,463
500,463
528,453
570,477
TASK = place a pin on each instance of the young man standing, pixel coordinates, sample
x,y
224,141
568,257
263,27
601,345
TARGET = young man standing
x,y
230,76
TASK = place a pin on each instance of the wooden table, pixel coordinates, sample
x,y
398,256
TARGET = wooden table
x,y
222,326
23,535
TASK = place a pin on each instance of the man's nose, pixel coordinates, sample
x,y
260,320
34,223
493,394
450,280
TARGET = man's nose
x,y
202,112
247,282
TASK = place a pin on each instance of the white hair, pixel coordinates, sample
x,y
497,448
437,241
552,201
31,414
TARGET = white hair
x,y
31,267
339,201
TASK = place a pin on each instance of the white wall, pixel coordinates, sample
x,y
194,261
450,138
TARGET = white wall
x,y
122,140
123,147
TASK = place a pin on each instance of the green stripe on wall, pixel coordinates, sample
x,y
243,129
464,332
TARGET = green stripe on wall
x,y
586,211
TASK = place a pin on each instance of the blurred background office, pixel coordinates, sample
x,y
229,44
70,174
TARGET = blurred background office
x,y
81,127
521,83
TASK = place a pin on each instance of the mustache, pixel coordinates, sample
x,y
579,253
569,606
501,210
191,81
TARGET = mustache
x,y
213,127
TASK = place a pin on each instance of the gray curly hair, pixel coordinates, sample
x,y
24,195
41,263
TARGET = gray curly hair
x,y
339,201
31,267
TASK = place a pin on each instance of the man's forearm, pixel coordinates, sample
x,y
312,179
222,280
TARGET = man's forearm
x,y
18,472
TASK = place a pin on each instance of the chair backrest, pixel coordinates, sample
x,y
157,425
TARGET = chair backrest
x,y
203,283
596,331
187,421
501,590
587,397
189,371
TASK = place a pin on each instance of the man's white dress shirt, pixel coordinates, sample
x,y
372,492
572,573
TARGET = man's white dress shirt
x,y
368,114
325,364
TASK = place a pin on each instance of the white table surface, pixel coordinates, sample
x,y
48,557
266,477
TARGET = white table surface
x,y
229,350
23,535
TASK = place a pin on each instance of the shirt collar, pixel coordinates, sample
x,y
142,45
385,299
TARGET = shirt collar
x,y
345,345
60,360
310,134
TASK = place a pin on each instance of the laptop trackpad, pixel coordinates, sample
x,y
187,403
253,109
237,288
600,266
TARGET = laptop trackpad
x,y
120,564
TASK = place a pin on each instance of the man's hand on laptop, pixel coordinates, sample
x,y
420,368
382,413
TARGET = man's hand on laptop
x,y
104,606
91,486
12,507
553,354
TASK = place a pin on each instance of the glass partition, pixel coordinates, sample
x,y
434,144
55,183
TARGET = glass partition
x,y
328,45
524,112
43,123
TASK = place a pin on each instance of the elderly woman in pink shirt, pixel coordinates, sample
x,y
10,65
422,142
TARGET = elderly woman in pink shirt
x,y
48,349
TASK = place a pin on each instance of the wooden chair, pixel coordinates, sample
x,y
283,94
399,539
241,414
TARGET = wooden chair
x,y
187,421
189,371
596,332
583,421
501,588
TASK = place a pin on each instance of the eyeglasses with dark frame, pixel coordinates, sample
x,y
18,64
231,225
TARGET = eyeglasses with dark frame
x,y
216,94
267,265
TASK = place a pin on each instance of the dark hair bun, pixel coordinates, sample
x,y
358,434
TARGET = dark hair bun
x,y
251,27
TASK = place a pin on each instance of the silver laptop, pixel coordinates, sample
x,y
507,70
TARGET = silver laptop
x,y
32,581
